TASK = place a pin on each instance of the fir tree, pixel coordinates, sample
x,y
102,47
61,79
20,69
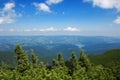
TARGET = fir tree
x,y
84,61
34,59
60,59
22,58
74,65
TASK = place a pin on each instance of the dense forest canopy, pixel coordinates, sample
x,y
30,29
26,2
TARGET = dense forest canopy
x,y
75,68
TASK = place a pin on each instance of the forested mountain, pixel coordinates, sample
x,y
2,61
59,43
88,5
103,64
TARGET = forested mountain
x,y
59,39
75,68
102,63
45,45
108,58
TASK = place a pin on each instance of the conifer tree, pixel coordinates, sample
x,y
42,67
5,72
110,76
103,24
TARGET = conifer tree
x,y
60,59
84,61
34,59
22,58
74,65
76,69
3,66
55,63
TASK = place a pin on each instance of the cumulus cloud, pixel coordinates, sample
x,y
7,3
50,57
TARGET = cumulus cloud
x,y
7,13
106,4
45,7
117,21
42,7
72,29
50,29
50,2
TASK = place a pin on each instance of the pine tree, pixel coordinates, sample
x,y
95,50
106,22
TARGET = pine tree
x,y
34,59
60,59
3,66
74,65
84,61
22,58
55,63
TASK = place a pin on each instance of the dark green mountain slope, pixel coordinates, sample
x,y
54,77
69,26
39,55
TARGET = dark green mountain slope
x,y
8,57
107,58
111,60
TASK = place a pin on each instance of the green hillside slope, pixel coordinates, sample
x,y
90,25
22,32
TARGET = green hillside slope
x,y
111,60
107,58
8,57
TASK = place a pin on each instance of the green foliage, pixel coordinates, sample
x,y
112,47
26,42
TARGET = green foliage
x,y
73,69
34,59
84,61
22,58
74,65
8,58
111,60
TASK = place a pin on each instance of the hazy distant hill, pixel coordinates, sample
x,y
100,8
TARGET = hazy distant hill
x,y
51,45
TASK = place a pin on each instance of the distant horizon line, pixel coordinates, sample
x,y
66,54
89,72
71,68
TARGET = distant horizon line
x,y
61,35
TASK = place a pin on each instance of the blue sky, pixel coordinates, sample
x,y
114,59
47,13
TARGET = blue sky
x,y
60,17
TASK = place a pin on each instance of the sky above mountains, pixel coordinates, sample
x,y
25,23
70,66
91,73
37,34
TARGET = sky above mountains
x,y
60,17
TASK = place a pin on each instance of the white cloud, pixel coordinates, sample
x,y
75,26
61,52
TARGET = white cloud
x,y
50,29
42,7
50,2
8,6
117,21
7,13
45,7
72,29
106,4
